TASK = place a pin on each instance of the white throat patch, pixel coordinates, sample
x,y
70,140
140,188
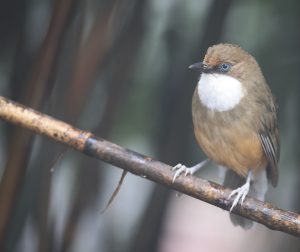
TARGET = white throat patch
x,y
219,92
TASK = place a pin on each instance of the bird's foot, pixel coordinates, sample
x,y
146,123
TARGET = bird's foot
x,y
180,169
240,193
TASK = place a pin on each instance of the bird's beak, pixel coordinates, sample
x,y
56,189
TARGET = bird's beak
x,y
198,66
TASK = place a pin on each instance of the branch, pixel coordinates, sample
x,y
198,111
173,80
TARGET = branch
x,y
146,167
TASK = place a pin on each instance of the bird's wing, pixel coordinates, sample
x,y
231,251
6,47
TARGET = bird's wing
x,y
271,150
269,137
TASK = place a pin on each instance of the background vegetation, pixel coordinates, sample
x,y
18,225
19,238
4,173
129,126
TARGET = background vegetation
x,y
119,69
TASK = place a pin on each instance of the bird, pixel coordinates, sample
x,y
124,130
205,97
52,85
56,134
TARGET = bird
x,y
235,124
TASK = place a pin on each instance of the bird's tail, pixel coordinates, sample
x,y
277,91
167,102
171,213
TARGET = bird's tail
x,y
258,189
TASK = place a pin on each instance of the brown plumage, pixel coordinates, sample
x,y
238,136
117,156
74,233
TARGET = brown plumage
x,y
235,123
245,137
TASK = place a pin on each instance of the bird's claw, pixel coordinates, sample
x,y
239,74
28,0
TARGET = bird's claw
x,y
180,168
240,193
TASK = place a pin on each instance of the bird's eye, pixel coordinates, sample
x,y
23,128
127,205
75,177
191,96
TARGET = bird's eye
x,y
224,67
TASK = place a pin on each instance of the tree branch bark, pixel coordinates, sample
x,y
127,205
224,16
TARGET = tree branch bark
x,y
146,167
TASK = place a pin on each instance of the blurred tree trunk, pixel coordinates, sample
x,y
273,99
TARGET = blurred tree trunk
x,y
36,92
88,184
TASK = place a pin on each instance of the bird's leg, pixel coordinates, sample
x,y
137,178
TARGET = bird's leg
x,y
241,192
179,169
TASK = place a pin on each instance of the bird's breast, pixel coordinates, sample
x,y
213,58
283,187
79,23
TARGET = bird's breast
x,y
227,137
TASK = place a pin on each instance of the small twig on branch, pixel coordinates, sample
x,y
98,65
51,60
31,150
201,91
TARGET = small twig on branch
x,y
146,167
116,191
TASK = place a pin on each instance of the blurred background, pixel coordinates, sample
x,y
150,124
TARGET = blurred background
x,y
119,68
